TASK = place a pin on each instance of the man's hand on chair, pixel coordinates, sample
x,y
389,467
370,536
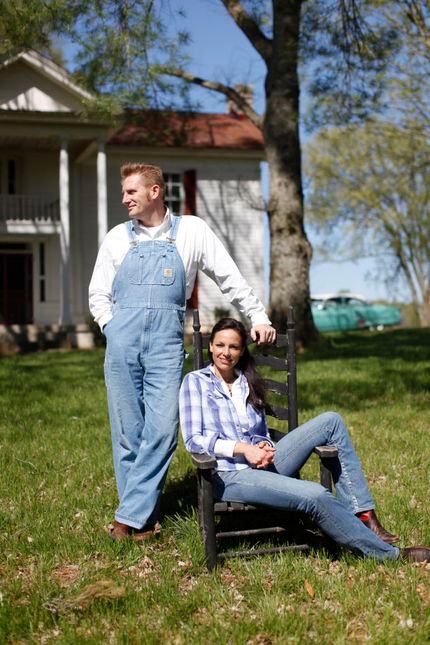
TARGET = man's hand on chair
x,y
263,334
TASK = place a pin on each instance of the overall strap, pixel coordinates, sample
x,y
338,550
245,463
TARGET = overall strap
x,y
176,220
132,237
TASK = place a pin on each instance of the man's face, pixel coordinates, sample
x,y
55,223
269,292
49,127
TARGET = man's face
x,y
138,196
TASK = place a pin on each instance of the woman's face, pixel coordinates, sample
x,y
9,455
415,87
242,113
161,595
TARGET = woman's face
x,y
226,349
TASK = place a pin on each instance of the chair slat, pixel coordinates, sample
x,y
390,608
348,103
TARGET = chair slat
x,y
275,386
271,361
251,532
251,553
281,341
277,411
231,507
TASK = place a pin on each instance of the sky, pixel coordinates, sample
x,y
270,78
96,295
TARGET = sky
x,y
219,51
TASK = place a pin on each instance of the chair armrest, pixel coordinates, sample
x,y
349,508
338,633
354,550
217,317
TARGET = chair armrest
x,y
203,461
326,452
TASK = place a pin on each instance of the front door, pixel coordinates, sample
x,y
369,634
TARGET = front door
x,y
16,284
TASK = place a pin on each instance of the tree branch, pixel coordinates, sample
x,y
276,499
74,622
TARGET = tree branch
x,y
241,103
250,28
415,14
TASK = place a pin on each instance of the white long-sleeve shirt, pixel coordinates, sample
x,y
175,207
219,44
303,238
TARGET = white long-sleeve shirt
x,y
198,247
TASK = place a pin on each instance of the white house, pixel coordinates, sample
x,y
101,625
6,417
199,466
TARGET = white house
x,y
60,190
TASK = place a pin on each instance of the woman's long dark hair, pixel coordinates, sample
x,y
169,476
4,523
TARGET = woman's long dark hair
x,y
246,363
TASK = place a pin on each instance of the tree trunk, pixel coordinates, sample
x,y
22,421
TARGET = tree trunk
x,y
291,251
424,313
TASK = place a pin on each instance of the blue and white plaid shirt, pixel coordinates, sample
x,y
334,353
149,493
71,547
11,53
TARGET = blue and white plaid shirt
x,y
209,420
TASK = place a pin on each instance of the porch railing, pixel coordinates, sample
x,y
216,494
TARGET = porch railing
x,y
40,208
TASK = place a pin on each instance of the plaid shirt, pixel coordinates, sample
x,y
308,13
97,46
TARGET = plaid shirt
x,y
208,416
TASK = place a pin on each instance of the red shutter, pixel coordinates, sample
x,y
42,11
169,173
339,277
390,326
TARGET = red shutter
x,y
189,181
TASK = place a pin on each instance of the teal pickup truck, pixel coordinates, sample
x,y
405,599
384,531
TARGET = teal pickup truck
x,y
348,311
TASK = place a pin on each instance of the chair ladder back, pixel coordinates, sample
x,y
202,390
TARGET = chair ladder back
x,y
197,341
292,371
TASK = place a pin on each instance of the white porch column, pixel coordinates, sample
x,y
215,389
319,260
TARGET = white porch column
x,y
102,215
64,318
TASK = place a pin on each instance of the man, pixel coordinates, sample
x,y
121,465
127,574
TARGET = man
x,y
144,272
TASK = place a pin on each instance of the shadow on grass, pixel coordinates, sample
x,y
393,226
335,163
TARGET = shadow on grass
x,y
179,496
405,344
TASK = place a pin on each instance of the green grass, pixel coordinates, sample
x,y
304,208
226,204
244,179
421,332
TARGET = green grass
x,y
62,580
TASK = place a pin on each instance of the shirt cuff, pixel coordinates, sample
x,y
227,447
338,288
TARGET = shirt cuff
x,y
104,319
224,448
260,319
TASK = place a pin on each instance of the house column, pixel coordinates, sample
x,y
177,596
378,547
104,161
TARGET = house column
x,y
64,318
102,216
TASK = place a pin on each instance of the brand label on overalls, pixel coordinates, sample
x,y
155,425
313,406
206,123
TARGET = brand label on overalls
x,y
168,273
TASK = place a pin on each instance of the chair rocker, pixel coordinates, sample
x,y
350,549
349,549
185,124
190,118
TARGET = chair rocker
x,y
208,508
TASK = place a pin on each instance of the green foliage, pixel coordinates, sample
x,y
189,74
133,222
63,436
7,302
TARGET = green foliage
x,y
345,52
62,579
119,41
369,192
28,24
368,58
119,46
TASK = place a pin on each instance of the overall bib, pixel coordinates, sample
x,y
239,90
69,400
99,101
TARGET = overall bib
x,y
143,370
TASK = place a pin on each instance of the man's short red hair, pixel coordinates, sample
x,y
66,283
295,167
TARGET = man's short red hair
x,y
152,174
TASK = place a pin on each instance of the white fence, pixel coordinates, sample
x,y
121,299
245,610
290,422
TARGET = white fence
x,y
41,208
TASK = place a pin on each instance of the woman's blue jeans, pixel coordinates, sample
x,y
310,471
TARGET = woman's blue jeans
x,y
278,487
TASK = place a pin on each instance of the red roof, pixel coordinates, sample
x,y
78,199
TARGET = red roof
x,y
189,130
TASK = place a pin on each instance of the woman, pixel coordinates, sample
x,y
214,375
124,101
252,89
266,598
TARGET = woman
x,y
222,414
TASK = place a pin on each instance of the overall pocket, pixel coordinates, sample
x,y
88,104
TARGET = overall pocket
x,y
152,267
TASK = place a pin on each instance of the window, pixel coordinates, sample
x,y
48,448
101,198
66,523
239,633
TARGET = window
x,y
11,177
9,172
174,192
42,273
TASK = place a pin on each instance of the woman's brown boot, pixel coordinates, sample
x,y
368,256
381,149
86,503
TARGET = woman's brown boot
x,y
370,520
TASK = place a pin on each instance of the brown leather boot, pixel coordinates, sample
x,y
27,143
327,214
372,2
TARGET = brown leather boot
x,y
415,554
372,523
120,531
147,532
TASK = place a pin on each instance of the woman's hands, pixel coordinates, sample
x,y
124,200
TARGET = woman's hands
x,y
259,456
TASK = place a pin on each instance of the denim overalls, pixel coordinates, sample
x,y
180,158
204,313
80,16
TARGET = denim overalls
x,y
143,369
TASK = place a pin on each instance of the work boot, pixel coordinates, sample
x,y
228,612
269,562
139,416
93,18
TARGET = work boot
x,y
147,532
415,554
120,531
370,520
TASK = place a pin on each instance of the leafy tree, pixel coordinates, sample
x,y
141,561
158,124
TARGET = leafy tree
x,y
369,192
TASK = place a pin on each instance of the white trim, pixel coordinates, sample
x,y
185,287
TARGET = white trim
x,y
102,213
64,318
29,228
51,70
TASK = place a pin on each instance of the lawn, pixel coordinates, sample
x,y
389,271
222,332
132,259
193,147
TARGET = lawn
x,y
63,581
